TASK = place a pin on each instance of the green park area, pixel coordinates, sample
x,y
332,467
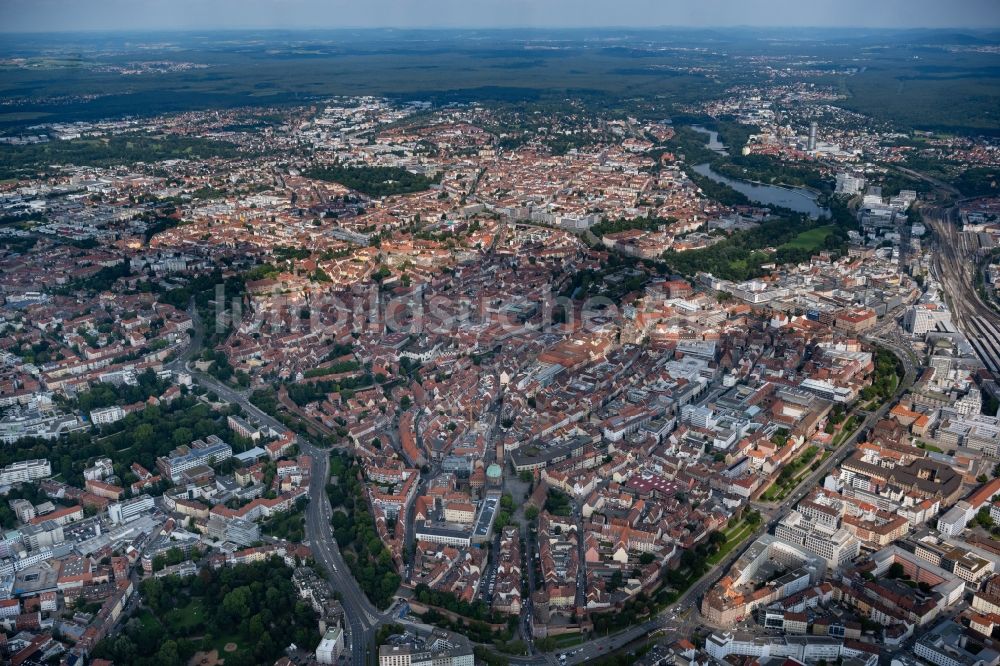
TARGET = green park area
x,y
744,254
246,613
354,528
849,427
373,181
810,240
735,535
560,642
568,640
790,476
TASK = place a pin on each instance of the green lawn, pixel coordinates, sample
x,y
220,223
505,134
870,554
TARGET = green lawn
x,y
733,539
807,466
810,240
220,642
790,475
849,427
188,618
147,618
566,640
733,530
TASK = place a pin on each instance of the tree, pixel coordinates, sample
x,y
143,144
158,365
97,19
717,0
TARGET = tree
x,y
526,476
896,570
237,602
144,436
182,436
531,512
265,645
153,591
168,655
983,518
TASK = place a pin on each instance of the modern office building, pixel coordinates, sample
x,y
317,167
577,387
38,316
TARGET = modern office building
x,y
237,530
208,452
440,649
129,510
948,644
332,645
834,544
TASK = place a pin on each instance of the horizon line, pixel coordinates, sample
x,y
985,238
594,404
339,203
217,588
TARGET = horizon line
x,y
112,31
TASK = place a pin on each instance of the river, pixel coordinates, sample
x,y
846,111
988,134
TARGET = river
x,y
798,199
713,140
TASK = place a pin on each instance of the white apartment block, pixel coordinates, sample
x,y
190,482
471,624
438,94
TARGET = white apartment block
x,y
809,649
955,519
24,471
106,415
100,470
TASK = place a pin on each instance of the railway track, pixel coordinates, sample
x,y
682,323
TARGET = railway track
x,y
955,269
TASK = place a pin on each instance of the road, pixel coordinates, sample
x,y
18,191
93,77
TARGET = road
x,y
528,609
581,544
361,617
180,362
941,185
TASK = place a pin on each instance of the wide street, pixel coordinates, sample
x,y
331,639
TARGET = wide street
x,y
362,617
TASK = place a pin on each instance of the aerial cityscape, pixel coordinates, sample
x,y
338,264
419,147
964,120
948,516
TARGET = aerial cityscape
x,y
485,334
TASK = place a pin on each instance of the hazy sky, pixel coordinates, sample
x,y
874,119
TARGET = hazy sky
x,y
44,15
